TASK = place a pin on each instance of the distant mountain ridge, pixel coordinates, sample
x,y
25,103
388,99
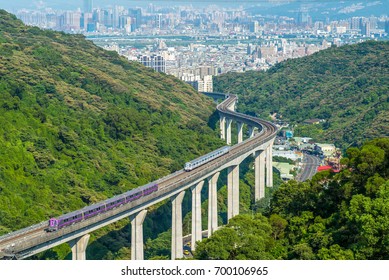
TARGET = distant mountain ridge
x,y
348,87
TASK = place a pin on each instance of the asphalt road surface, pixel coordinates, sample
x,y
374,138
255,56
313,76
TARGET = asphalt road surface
x,y
309,168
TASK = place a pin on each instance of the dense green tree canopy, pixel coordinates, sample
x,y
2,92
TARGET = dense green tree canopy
x,y
80,124
245,237
333,216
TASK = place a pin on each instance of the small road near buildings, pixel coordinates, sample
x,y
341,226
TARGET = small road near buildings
x,y
309,167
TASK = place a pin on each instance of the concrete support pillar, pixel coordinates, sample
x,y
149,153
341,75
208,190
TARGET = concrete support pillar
x,y
229,121
177,244
269,166
196,214
212,203
259,170
137,235
240,132
233,191
78,247
222,127
251,131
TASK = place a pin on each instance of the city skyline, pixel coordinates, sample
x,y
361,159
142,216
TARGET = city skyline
x,y
181,40
333,9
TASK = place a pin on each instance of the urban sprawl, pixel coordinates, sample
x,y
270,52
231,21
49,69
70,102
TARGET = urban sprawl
x,y
196,44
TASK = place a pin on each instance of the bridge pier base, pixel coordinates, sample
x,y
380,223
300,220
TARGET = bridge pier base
x,y
196,214
212,203
137,235
269,166
78,247
177,245
259,169
233,191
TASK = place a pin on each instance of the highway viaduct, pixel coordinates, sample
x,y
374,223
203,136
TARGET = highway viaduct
x,y
35,239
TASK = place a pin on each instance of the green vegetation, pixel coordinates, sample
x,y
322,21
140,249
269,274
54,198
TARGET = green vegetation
x,y
332,216
283,159
80,124
347,86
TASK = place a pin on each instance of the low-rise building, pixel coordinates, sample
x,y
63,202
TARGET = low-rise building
x,y
284,169
301,140
293,155
326,149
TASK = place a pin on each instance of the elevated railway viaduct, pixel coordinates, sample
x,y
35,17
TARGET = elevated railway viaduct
x,y
34,239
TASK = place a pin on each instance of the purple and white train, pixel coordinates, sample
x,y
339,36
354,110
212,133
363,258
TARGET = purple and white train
x,y
101,207
125,198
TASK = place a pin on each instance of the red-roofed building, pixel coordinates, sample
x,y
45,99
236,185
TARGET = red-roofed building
x,y
324,168
327,167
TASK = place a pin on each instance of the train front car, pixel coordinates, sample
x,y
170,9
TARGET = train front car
x,y
188,166
53,225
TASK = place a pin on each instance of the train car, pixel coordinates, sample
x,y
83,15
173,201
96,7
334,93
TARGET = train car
x,y
206,158
115,201
133,195
149,189
65,220
101,207
94,210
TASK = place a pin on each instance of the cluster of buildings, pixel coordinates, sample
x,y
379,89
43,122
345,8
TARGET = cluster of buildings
x,y
197,63
196,44
295,148
188,20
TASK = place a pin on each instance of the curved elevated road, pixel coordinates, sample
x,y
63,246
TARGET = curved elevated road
x,y
29,241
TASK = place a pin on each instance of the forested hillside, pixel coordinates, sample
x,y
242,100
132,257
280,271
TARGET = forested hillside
x,y
333,216
79,124
348,87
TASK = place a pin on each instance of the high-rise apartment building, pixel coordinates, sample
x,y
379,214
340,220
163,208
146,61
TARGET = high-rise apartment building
x,y
136,15
208,83
202,85
355,23
365,30
254,26
158,21
206,70
69,21
302,18
157,62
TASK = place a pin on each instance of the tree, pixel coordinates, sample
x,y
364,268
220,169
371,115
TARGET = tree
x,y
245,238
